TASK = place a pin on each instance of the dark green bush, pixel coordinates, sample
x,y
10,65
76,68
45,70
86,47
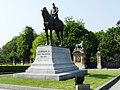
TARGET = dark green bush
x,y
13,68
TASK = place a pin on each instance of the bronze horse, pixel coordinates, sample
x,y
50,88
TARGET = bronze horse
x,y
52,24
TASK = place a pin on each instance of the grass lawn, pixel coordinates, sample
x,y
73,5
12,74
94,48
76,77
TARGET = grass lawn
x,y
95,78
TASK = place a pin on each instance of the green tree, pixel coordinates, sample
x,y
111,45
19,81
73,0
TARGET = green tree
x,y
8,49
19,46
0,54
118,40
75,32
13,52
100,35
110,44
40,40
24,42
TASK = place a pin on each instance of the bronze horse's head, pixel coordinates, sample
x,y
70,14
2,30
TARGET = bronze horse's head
x,y
44,9
44,12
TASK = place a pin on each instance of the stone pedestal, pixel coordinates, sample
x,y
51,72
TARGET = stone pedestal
x,y
83,87
99,60
52,63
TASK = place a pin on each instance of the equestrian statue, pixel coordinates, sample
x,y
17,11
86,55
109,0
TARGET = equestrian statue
x,y
52,22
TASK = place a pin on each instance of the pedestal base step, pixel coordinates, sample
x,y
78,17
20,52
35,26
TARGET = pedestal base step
x,y
61,76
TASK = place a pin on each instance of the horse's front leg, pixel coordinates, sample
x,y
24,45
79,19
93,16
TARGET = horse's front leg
x,y
61,37
50,37
46,31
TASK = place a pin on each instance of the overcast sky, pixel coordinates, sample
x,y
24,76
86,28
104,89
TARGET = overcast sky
x,y
16,14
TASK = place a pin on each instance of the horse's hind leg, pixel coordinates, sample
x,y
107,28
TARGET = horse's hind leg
x,y
58,36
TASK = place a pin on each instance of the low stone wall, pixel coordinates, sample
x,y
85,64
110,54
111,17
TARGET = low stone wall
x,y
105,64
92,65
111,64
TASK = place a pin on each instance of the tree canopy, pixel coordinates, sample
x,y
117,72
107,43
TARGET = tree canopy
x,y
24,46
19,46
110,43
75,32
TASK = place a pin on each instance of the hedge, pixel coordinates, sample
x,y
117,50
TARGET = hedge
x,y
13,68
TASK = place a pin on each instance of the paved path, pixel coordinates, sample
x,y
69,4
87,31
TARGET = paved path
x,y
17,87
116,86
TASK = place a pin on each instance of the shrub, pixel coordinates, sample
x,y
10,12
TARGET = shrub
x,y
13,68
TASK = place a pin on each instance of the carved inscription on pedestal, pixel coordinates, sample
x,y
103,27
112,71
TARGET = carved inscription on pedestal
x,y
43,55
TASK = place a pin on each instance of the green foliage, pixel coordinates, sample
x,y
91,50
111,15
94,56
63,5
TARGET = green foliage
x,y
100,35
24,46
25,43
19,46
0,53
9,50
40,40
72,32
75,32
118,39
110,43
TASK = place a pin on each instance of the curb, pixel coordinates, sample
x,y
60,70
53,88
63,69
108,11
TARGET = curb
x,y
17,87
108,84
